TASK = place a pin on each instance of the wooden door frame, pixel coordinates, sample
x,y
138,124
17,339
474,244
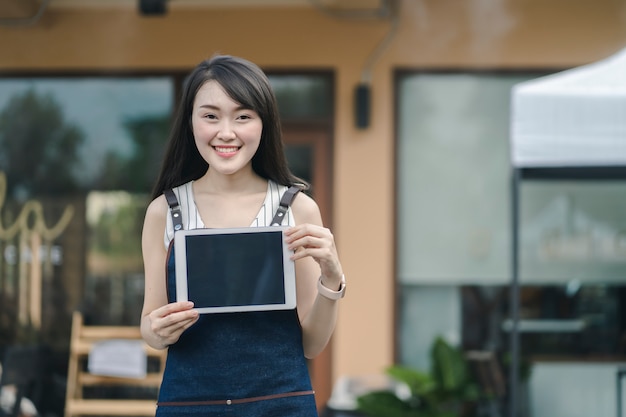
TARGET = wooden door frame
x,y
319,136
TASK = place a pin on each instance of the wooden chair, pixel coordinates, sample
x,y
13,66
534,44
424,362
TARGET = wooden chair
x,y
83,340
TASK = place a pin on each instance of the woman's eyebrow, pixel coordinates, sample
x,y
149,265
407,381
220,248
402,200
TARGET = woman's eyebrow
x,y
214,107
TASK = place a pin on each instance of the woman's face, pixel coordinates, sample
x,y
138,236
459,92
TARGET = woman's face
x,y
226,135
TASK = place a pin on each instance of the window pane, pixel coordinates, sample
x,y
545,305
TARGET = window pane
x,y
572,232
300,159
303,96
77,160
454,247
114,279
71,135
453,178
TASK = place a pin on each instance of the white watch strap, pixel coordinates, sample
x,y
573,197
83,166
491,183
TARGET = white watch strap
x,y
330,294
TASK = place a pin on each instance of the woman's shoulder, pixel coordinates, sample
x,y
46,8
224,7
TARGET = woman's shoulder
x,y
183,193
305,209
160,206
157,209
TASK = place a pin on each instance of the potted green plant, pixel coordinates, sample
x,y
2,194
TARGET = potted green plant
x,y
448,390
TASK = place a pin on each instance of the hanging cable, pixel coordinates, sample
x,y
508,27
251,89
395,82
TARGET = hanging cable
x,y
26,21
362,92
381,12
366,73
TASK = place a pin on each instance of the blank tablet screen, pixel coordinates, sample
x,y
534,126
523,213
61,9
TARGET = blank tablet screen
x,y
234,271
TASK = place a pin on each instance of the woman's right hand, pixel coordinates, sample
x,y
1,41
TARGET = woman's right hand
x,y
168,322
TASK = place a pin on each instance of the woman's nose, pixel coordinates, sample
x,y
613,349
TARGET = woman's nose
x,y
226,130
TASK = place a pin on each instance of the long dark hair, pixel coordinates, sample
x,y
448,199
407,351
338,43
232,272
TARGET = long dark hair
x,y
248,85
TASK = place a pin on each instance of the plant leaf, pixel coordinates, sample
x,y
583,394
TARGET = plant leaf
x,y
384,404
419,383
449,367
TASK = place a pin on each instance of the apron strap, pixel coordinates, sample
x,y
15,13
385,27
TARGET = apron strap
x,y
284,204
279,216
172,201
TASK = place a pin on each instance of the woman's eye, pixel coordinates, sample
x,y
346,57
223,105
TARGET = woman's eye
x,y
210,116
244,116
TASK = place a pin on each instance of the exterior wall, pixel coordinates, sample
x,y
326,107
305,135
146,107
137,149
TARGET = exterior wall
x,y
447,34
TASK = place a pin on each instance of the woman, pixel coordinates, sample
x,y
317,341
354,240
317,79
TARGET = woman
x,y
226,165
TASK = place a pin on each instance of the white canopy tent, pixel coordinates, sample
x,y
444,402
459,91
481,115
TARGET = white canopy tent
x,y
573,118
568,125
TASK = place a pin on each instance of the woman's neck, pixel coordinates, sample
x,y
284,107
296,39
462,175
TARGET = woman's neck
x,y
239,183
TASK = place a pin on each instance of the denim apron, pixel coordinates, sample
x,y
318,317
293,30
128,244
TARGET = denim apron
x,y
244,364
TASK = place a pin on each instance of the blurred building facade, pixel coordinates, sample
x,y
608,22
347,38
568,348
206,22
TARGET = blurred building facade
x,y
416,192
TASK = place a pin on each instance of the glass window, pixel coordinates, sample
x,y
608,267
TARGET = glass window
x,y
572,232
454,244
303,97
453,198
78,156
452,156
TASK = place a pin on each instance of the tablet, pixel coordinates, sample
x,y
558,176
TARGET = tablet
x,y
235,269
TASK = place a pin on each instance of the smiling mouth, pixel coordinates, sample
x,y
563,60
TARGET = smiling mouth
x,y
226,149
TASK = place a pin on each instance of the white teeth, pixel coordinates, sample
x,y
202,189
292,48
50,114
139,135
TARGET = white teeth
x,y
225,150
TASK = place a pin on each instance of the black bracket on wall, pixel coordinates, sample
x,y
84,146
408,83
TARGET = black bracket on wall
x,y
152,7
362,99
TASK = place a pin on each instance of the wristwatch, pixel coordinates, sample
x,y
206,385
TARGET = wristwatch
x,y
330,294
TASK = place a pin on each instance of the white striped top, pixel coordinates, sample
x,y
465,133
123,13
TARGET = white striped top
x,y
191,215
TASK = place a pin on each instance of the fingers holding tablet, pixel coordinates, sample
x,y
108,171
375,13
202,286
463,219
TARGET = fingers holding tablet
x,y
317,242
169,321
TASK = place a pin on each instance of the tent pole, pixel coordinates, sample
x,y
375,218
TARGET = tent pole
x,y
514,297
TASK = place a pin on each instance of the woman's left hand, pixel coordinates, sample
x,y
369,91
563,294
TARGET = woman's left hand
x,y
317,242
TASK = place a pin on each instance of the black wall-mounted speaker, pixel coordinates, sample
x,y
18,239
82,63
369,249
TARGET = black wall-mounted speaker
x,y
152,7
362,99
